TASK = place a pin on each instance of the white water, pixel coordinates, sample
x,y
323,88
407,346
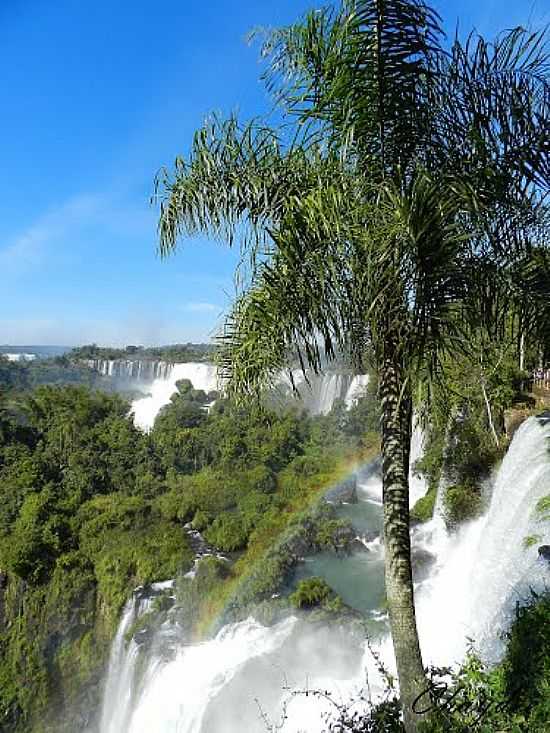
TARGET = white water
x,y
120,686
417,484
145,409
484,569
318,397
177,695
323,390
356,389
131,370
471,591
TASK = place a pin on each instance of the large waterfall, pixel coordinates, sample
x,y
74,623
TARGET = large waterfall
x,y
484,569
202,376
471,590
139,370
319,393
157,379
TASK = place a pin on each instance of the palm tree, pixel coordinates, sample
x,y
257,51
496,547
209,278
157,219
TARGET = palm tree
x,y
404,176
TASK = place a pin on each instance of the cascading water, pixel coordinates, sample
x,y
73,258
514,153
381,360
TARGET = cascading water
x,y
356,389
321,391
120,683
484,568
318,396
470,591
202,376
417,484
130,370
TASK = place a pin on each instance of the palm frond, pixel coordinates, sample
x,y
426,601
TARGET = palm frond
x,y
235,182
362,74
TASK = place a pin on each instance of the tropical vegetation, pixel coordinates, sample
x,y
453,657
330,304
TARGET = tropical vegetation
x,y
91,508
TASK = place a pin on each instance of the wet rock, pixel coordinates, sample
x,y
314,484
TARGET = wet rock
x,y
143,635
358,545
514,418
421,561
343,493
342,537
544,552
361,544
544,417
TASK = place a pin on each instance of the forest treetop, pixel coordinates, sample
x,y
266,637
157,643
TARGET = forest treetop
x,y
172,352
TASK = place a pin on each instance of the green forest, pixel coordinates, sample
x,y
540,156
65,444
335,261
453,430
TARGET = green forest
x,y
170,353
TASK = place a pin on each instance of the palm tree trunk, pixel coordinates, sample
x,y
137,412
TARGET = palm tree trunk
x,y
396,431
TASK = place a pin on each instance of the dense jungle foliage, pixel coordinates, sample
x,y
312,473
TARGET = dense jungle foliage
x,y
90,508
171,353
26,375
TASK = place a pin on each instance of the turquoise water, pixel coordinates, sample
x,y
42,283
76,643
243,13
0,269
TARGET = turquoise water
x,y
366,516
357,578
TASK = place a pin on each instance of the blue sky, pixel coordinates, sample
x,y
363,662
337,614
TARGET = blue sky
x,y
96,97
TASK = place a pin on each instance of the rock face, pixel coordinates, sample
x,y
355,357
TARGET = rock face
x,y
421,561
513,419
544,552
343,493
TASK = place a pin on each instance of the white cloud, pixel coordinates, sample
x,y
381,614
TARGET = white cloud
x,y
202,308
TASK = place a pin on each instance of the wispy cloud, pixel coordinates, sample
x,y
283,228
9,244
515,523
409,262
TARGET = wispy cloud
x,y
202,308
28,249
116,332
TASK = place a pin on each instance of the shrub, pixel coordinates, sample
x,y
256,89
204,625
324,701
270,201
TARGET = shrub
x,y
311,592
259,478
527,663
253,508
423,510
460,503
227,532
201,520
334,534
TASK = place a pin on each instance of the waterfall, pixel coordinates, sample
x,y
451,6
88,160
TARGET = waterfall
x,y
484,568
131,370
120,686
318,397
177,694
470,591
321,391
202,376
331,387
356,389
417,484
